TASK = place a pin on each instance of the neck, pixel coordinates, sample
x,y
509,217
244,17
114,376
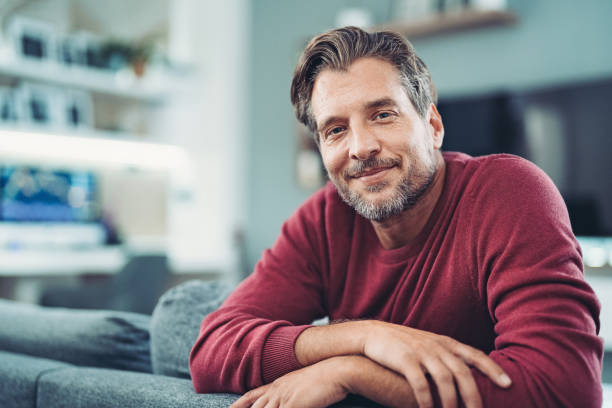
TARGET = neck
x,y
403,228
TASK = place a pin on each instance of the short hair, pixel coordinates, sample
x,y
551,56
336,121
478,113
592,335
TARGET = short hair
x,y
338,49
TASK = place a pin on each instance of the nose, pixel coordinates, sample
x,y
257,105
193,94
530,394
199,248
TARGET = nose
x,y
364,144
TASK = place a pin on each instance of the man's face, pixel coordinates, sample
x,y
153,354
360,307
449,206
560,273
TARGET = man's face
x,y
377,150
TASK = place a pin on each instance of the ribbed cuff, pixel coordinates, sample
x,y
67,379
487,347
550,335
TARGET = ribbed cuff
x,y
279,352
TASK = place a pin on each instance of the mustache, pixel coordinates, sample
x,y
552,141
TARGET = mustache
x,y
368,164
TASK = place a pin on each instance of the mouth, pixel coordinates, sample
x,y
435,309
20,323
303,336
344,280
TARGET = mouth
x,y
370,172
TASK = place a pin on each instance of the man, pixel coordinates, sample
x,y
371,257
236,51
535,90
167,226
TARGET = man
x,y
448,279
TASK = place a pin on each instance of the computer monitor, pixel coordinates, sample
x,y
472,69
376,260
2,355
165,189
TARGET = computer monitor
x,y
32,194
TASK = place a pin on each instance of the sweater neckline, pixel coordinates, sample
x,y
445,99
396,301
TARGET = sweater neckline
x,y
407,252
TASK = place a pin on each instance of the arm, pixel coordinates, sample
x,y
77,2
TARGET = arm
x,y
530,274
409,352
249,340
329,381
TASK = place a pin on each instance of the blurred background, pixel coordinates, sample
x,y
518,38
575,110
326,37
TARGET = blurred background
x,y
143,143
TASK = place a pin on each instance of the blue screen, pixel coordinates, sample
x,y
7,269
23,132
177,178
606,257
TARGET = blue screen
x,y
33,194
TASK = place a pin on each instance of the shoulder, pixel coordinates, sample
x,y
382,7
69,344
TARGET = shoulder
x,y
509,193
510,179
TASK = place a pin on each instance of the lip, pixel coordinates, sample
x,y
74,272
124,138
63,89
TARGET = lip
x,y
372,175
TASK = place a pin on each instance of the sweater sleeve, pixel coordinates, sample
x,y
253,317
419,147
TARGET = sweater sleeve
x,y
249,340
545,316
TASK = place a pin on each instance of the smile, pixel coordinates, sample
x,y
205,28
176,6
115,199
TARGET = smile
x,y
372,175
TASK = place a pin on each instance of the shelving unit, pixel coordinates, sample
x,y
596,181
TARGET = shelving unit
x,y
150,89
169,123
87,148
449,22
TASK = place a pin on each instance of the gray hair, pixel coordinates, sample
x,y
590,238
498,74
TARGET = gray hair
x,y
338,49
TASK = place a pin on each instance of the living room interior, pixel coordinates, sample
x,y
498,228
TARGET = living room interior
x,y
148,143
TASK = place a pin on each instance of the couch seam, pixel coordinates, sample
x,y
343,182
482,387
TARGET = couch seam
x,y
38,377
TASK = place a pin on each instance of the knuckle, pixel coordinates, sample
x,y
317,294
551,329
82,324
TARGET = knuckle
x,y
426,404
248,396
446,341
470,400
420,387
445,377
463,371
479,354
407,357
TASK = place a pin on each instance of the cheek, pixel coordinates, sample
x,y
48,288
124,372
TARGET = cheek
x,y
332,160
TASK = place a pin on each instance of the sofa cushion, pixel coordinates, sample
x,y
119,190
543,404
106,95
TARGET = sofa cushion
x,y
176,321
82,337
99,387
19,375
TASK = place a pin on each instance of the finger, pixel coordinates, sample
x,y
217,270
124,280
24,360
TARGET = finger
x,y
464,380
443,378
483,363
261,402
413,372
249,398
272,403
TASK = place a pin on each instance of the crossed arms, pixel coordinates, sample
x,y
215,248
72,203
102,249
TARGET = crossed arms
x,y
381,361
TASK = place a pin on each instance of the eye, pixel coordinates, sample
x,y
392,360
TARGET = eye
x,y
334,132
383,115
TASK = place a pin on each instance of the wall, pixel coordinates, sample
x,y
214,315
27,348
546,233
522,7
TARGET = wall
x,y
211,126
279,32
554,42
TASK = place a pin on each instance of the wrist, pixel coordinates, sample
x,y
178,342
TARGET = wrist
x,y
345,371
367,329
337,339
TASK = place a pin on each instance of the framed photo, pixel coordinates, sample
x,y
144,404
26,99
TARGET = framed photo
x,y
78,109
40,104
9,112
32,38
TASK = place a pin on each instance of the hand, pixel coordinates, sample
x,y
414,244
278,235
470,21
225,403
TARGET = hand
x,y
414,353
319,385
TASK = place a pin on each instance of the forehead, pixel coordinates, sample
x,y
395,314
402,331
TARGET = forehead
x,y
365,80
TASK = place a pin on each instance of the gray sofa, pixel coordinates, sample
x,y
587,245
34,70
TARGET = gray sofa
x,y
53,357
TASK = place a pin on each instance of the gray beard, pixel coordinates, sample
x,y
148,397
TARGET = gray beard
x,y
405,196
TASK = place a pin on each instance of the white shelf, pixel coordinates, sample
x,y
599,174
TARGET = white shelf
x,y
152,88
450,22
66,262
88,149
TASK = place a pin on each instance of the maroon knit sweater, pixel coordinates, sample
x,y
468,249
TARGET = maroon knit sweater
x,y
496,267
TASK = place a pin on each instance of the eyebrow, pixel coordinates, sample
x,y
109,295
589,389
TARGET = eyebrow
x,y
378,103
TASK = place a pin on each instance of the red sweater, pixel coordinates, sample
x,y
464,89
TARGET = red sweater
x,y
496,267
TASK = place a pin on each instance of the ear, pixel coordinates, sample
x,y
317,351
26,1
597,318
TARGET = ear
x,y
434,120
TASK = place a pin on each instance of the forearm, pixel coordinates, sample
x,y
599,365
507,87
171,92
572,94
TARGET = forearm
x,y
329,381
373,381
411,353
235,352
322,342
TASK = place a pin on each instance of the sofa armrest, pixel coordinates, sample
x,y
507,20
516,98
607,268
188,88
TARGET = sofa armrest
x,y
100,387
98,338
19,376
